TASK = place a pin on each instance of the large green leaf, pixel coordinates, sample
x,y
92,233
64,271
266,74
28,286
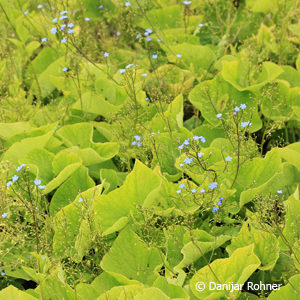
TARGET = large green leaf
x,y
236,270
12,293
266,246
131,257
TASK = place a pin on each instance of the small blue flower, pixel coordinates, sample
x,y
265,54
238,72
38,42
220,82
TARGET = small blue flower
x,y
138,36
2,273
220,201
20,167
118,33
44,39
101,6
195,138
188,160
148,30
187,2
228,158
139,144
181,165
106,54
243,106
62,27
137,137
9,183
199,154
200,25
71,30
236,108
65,69
70,25
180,147
44,257
178,191
129,66
212,185
26,12
186,142
41,187
63,17
179,55
37,181
219,116
39,6
144,74
202,139
87,19
215,209
149,39
80,200
133,143
63,12
15,178
182,185
202,191
279,191
154,56
28,255
146,99
63,41
245,124
127,4
122,71
54,20
53,30
4,215
146,33
193,191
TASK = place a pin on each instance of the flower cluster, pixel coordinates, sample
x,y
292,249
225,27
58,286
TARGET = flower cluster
x,y
216,208
137,141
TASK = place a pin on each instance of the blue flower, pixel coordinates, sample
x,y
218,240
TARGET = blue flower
x,y
71,30
212,185
62,27
139,144
106,54
15,178
144,74
178,191
199,154
279,191
9,183
39,6
133,143
2,273
228,158
200,25
187,2
53,30
138,36
118,33
41,187
137,137
149,30
65,69
129,66
186,142
127,4
180,147
54,20
182,185
37,181
80,200
181,165
195,138
63,40
44,257
26,12
220,201
100,6
154,56
122,71
243,106
4,215
146,98
188,160
28,255
70,25
148,39
87,19
63,12
44,39
202,139
20,167
219,116
179,55
236,108
63,17
245,124
193,191
202,191
215,209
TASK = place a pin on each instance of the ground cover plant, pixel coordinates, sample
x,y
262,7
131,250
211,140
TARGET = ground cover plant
x,y
149,149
